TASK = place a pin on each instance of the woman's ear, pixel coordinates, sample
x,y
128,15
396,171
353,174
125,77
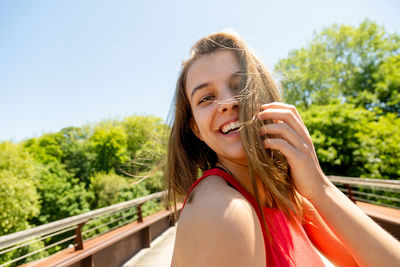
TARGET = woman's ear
x,y
195,129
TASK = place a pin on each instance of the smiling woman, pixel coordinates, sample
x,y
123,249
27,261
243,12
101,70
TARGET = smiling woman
x,y
262,198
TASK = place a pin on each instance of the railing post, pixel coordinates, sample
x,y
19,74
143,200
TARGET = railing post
x,y
139,212
78,241
87,262
172,219
350,193
147,237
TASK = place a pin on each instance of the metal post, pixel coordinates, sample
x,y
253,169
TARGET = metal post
x,y
171,219
350,193
139,212
146,237
78,241
87,262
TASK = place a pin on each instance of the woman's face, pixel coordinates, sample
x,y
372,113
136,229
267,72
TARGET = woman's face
x,y
210,87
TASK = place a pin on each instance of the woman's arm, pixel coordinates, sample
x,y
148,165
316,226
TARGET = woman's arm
x,y
368,243
323,238
365,240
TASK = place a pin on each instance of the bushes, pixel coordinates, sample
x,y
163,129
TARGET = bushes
x,y
353,141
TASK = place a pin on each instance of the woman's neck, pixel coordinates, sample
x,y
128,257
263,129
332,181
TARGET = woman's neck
x,y
240,172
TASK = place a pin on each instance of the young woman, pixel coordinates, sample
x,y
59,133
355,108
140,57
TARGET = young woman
x,y
262,198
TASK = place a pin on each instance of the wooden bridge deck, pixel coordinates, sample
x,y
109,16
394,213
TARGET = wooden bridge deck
x,y
158,255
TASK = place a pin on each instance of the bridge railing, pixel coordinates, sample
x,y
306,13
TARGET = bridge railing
x,y
44,240
73,232
375,191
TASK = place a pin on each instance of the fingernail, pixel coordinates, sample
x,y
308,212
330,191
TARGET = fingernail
x,y
265,106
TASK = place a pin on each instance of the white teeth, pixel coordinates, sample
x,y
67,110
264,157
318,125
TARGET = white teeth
x,y
230,126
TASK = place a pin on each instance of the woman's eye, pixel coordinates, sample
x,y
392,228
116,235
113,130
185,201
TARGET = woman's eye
x,y
235,87
206,98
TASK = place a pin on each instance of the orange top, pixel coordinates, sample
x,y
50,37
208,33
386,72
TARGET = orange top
x,y
290,246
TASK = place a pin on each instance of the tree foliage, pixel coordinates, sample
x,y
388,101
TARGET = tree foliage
x,y
345,64
78,157
110,188
45,148
146,143
61,195
380,146
18,193
109,143
353,141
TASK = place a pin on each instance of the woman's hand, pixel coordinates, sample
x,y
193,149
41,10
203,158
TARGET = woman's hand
x,y
295,143
365,240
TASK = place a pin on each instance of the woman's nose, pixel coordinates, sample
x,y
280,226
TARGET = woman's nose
x,y
227,102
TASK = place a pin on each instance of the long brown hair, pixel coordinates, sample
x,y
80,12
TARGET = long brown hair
x,y
187,155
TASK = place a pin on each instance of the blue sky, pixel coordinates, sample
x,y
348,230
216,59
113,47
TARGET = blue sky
x,y
66,63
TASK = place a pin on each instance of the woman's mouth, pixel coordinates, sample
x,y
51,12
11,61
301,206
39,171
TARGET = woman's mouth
x,y
230,127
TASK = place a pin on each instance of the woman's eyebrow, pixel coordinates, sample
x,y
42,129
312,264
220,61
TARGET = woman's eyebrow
x,y
201,86
236,74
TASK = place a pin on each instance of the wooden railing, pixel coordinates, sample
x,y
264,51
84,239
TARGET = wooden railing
x,y
378,198
369,190
75,239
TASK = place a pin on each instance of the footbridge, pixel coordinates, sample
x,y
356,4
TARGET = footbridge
x,y
125,235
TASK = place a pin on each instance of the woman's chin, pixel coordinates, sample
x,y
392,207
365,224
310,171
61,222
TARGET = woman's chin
x,y
236,157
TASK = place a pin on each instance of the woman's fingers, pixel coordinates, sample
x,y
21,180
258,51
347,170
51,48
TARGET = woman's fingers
x,y
289,118
286,132
285,106
287,113
282,145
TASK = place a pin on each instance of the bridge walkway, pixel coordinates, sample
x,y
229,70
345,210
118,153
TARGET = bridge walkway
x,y
158,255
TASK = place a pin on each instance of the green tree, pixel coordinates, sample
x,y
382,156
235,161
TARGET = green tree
x,y
155,181
45,148
110,188
19,198
78,157
140,129
146,144
387,86
353,141
109,143
336,131
61,195
380,147
344,63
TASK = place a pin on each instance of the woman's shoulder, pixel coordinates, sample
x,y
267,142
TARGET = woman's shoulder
x,y
215,198
218,227
216,187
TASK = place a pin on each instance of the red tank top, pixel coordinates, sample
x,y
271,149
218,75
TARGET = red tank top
x,y
290,246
